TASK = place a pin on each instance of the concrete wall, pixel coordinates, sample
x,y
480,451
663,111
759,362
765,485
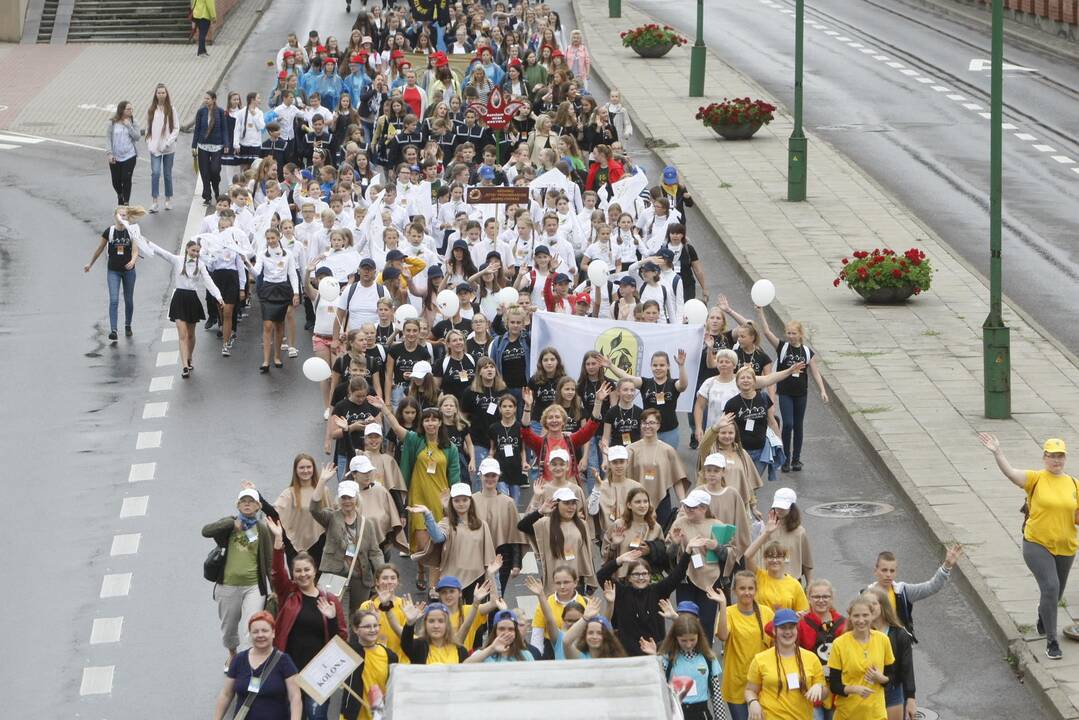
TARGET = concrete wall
x,y
12,13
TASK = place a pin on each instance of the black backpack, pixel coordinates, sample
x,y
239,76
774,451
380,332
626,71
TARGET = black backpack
x,y
726,580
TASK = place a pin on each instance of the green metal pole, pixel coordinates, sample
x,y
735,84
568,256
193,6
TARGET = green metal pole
x,y
697,56
995,336
797,146
614,8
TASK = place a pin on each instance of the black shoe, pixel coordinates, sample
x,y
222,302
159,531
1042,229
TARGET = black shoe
x,y
796,466
220,334
786,467
348,7
210,323
112,336
264,369
127,331
693,444
278,364
1052,650
185,373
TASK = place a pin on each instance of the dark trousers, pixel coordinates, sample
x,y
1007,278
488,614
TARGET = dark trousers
x,y
793,410
121,172
210,172
203,25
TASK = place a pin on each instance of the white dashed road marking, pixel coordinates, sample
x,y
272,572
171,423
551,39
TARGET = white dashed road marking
x,y
106,630
1063,159
1044,148
97,680
168,358
125,544
154,410
161,383
148,440
1025,137
142,471
134,506
116,585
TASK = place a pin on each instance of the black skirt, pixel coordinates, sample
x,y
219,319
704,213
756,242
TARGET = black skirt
x,y
186,307
275,299
228,282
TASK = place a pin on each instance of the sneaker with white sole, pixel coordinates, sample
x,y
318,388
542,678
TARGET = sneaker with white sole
x,y
225,351
293,352
1052,650
327,413
168,203
284,346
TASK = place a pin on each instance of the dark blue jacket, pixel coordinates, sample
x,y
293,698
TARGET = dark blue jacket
x,y
218,136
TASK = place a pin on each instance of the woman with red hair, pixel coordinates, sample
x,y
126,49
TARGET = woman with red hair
x,y
261,676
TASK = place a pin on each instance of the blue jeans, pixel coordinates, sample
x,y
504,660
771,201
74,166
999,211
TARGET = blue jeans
x,y
894,695
115,279
514,491
313,711
161,164
793,410
670,437
479,455
820,713
595,462
739,711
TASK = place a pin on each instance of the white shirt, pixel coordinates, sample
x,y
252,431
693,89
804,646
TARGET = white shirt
x,y
364,305
249,126
286,117
310,112
343,262
308,233
717,393
187,274
277,266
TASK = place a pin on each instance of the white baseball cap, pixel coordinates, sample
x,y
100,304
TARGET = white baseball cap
x,y
716,460
372,429
348,488
558,454
360,464
564,495
784,498
421,370
696,498
248,493
460,490
490,465
617,452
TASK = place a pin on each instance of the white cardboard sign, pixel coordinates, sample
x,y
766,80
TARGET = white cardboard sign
x,y
321,677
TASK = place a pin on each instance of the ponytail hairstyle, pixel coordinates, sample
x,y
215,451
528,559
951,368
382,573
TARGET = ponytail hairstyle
x,y
183,260
747,575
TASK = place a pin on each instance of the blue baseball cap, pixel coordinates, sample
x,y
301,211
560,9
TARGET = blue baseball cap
x,y
435,606
463,244
670,175
487,173
561,278
785,617
395,254
323,272
446,582
688,606
435,271
505,615
628,280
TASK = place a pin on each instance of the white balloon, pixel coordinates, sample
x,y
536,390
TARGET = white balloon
x,y
763,293
328,289
405,312
598,272
695,312
508,296
316,369
448,303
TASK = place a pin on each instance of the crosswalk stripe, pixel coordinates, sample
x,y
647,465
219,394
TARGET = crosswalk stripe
x,y
20,139
8,147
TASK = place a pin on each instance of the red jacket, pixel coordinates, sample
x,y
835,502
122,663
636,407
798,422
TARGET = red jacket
x,y
555,303
615,171
289,601
575,440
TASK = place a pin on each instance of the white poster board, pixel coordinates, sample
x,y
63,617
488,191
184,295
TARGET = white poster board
x,y
321,677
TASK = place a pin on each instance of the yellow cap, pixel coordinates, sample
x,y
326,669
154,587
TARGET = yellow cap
x,y
1054,445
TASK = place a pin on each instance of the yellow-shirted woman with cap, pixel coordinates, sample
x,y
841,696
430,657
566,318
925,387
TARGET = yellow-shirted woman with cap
x,y
785,681
776,588
1049,536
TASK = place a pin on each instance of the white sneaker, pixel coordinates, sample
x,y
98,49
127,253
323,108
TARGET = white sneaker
x,y
293,352
327,413
284,346
155,207
168,203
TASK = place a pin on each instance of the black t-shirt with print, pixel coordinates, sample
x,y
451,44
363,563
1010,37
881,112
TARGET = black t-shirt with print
x,y
384,334
457,438
751,416
475,349
353,413
376,364
456,375
625,425
792,386
444,326
542,395
684,257
503,437
119,248
587,392
515,364
663,398
403,360
481,409
758,359
723,341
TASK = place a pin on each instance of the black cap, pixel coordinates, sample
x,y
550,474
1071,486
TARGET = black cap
x,y
391,273
323,272
460,244
435,271
627,280
465,287
494,254
368,263
561,278
666,253
395,254
541,249
649,266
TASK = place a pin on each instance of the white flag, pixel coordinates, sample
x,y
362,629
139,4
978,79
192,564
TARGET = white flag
x,y
629,345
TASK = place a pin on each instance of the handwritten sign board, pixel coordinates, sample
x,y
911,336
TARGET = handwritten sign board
x,y
329,669
498,194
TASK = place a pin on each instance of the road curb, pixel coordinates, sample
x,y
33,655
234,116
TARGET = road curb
x,y
869,441
187,127
1013,29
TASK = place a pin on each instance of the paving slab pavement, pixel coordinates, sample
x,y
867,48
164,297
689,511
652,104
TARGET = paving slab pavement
x,y
909,377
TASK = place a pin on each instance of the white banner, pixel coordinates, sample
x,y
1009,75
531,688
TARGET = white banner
x,y
629,345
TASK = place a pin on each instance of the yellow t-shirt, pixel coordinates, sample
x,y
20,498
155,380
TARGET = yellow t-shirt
x,y
852,659
789,703
892,599
540,622
746,638
445,655
386,635
1051,522
376,671
783,593
459,617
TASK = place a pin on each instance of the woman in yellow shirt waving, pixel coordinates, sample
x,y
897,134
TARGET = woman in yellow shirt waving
x,y
784,682
741,629
861,665
1049,536
776,588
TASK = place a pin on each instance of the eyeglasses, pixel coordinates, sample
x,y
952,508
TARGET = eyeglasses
x,y
820,597
639,574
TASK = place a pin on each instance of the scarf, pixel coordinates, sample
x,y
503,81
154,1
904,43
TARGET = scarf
x,y
246,523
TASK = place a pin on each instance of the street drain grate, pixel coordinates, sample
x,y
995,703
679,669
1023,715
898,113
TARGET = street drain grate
x,y
850,509
925,714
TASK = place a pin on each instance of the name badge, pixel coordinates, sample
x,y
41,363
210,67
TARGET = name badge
x,y
650,473
749,424
280,263
661,398
119,249
796,374
570,554
507,450
254,684
431,467
698,560
635,543
792,681
463,376
350,551
491,408
252,534
627,438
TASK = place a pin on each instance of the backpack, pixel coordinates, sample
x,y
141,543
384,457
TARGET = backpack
x,y
785,346
380,290
825,638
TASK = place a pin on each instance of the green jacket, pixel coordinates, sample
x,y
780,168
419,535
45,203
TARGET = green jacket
x,y
222,530
411,448
204,10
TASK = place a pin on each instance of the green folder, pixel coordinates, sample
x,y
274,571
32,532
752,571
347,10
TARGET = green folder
x,y
723,534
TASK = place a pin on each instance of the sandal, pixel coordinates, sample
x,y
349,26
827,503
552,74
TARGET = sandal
x,y
263,369
278,364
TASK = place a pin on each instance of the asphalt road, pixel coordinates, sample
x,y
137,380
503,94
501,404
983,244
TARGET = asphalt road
x,y
75,410
924,145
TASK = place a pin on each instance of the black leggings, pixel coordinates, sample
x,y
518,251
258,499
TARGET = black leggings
x,y
203,24
210,172
1051,573
121,172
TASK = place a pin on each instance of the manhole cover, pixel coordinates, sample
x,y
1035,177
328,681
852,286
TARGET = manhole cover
x,y
925,714
850,509
1071,632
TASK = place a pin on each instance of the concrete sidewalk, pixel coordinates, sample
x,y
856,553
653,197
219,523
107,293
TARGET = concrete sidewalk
x,y
910,376
68,91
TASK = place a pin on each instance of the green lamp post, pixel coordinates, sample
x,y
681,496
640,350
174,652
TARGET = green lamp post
x,y
797,146
697,55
